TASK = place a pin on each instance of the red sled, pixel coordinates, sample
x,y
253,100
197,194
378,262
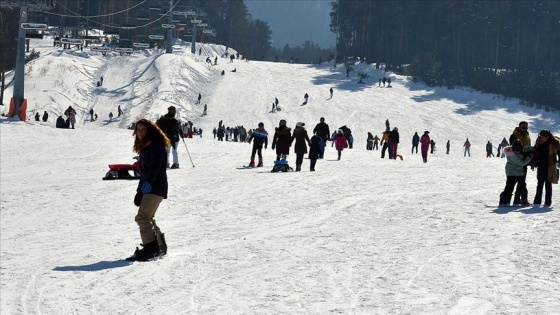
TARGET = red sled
x,y
123,171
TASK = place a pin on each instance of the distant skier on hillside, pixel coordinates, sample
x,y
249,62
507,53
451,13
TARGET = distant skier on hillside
x,y
306,98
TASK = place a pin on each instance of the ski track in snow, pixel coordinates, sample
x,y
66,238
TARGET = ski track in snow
x,y
362,235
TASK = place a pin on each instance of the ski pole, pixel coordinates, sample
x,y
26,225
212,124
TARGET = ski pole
x,y
188,152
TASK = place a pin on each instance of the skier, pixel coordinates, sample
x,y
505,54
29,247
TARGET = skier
x,y
514,172
170,126
300,147
150,143
415,141
282,139
425,141
261,137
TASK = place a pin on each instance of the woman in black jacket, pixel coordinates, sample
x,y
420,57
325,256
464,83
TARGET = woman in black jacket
x,y
151,144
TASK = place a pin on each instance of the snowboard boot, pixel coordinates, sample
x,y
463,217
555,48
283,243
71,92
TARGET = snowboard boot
x,y
162,244
148,252
174,166
260,162
252,164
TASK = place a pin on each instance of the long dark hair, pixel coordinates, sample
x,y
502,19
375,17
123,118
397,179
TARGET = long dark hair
x,y
152,133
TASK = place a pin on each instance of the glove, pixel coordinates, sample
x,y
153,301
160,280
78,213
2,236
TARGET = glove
x,y
146,188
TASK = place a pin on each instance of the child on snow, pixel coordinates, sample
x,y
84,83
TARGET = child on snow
x,y
340,142
314,148
514,171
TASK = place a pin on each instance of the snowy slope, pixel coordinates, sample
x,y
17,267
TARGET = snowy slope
x,y
362,235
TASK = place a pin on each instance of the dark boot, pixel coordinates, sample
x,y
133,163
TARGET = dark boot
x,y
260,162
252,164
148,252
162,244
298,167
505,199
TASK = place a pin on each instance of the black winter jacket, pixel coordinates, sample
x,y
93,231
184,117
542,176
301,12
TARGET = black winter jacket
x,y
170,126
322,130
153,168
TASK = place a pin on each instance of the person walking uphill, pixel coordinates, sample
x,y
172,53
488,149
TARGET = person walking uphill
x,y
282,140
261,137
425,145
151,144
340,142
322,130
547,149
170,127
300,147
393,143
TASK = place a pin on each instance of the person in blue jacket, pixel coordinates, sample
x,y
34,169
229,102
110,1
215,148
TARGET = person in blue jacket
x,y
415,141
151,144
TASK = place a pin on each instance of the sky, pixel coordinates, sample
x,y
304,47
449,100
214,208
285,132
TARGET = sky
x,y
363,235
293,22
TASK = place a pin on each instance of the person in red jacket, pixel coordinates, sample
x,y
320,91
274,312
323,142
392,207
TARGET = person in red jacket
x,y
340,142
425,145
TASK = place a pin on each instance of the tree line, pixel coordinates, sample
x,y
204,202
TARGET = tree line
x,y
509,47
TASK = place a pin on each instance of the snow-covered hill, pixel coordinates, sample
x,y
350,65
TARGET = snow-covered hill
x,y
363,235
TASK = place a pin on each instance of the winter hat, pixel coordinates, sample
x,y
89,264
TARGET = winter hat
x,y
545,133
261,124
322,119
299,124
340,131
282,122
426,132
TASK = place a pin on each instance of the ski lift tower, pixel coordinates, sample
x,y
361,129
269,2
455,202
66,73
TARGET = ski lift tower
x,y
18,104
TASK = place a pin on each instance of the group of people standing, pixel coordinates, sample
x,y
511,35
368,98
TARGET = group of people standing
x,y
543,155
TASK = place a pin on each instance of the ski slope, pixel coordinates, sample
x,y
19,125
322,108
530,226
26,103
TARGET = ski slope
x,y
363,235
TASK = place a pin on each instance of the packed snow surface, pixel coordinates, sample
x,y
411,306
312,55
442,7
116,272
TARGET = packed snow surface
x,y
362,235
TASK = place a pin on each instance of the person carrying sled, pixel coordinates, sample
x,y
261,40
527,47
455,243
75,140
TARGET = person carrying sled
x,y
514,172
261,137
282,140
300,147
170,126
340,142
151,144
425,145
547,150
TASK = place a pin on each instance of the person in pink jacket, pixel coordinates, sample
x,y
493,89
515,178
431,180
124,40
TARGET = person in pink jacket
x,y
425,145
340,142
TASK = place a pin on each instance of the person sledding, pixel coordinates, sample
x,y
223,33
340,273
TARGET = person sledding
x,y
260,137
